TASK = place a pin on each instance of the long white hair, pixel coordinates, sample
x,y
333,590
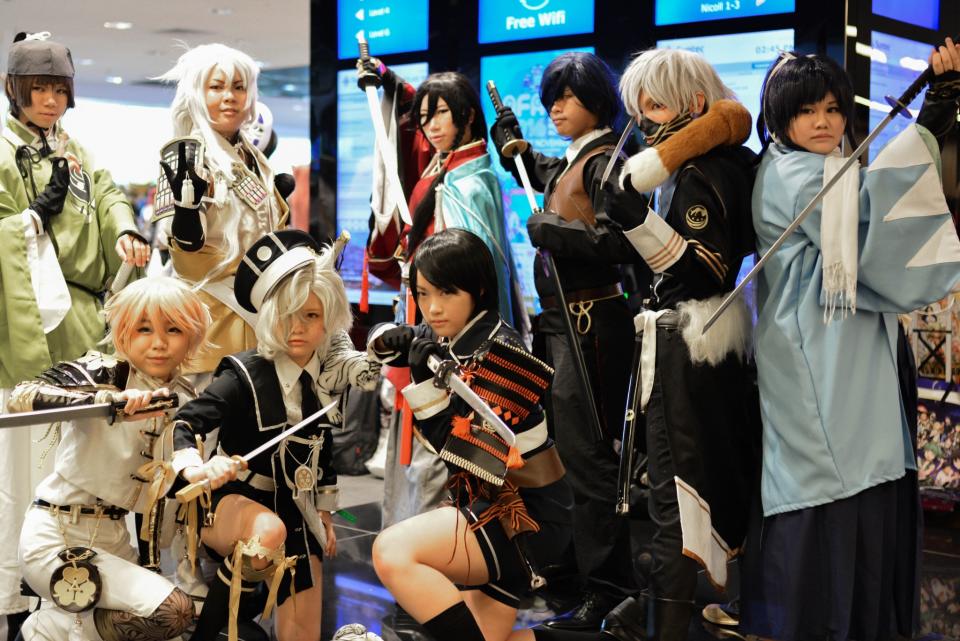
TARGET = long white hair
x,y
189,108
672,77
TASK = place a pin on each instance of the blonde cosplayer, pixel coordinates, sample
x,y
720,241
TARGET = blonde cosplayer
x,y
289,297
156,298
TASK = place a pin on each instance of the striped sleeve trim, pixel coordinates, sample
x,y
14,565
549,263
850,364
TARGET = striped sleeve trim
x,y
712,260
426,399
657,242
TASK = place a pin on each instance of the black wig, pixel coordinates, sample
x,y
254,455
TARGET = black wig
x,y
462,99
590,80
802,80
457,260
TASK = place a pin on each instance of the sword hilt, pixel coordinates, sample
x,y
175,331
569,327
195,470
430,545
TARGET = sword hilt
x,y
157,404
192,491
513,145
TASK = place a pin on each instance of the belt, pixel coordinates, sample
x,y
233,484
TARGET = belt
x,y
670,319
583,296
115,513
256,481
540,470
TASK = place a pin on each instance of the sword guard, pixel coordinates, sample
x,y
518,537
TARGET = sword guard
x,y
514,146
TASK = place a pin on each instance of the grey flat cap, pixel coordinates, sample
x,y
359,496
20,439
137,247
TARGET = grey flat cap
x,y
39,58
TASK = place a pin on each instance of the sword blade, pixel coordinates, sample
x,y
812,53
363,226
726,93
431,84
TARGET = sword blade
x,y
476,403
802,216
288,432
616,151
386,154
525,181
45,417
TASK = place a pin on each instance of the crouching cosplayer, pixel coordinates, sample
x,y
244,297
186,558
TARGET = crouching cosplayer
x,y
75,549
273,512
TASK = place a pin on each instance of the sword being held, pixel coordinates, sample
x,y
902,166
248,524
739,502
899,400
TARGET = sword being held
x,y
110,411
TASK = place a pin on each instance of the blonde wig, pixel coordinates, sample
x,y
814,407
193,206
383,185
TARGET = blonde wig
x,y
156,298
672,77
289,297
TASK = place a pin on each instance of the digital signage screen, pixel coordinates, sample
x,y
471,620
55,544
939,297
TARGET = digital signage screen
x,y
894,63
390,26
509,20
682,11
923,13
742,60
355,150
517,77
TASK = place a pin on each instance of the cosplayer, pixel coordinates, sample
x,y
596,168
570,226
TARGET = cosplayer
x,y
447,175
218,187
50,192
578,92
838,454
103,471
276,514
696,393
459,569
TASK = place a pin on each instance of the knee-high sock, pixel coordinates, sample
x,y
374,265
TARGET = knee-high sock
x,y
216,607
456,622
550,634
14,621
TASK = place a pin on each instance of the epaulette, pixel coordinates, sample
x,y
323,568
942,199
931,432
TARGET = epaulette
x,y
93,370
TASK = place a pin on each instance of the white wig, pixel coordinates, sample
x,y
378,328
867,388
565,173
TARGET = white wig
x,y
289,297
191,73
672,77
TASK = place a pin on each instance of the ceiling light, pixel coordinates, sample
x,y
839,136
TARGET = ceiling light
x,y
119,26
85,62
114,80
221,11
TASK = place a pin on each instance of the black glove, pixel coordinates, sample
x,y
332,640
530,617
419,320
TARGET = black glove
x,y
505,128
179,180
625,206
946,86
420,350
50,201
373,72
285,184
397,339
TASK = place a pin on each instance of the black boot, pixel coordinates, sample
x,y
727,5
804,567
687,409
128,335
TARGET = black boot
x,y
456,622
632,620
671,619
215,614
586,617
14,621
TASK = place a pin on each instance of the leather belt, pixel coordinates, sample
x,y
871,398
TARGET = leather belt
x,y
539,470
115,513
670,319
583,295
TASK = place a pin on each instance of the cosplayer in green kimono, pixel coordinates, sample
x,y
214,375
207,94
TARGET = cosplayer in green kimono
x,y
836,555
59,214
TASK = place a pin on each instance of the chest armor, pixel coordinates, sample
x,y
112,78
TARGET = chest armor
x,y
568,198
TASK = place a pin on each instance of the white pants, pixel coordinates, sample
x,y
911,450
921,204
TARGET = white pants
x,y
125,585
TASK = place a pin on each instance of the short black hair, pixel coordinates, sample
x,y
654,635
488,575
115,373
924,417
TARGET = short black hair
x,y
801,80
457,260
590,80
460,96
19,90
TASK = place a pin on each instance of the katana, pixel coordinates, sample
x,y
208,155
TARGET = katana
x,y
120,280
110,411
897,106
514,149
477,404
617,150
193,490
382,142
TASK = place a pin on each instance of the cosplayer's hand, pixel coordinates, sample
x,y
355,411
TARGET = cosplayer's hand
x,y
138,399
187,194
50,201
219,469
505,128
945,61
373,72
420,351
331,547
131,249
625,206
285,184
396,339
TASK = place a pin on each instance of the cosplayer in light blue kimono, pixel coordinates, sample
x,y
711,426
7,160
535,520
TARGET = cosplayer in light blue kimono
x,y
836,554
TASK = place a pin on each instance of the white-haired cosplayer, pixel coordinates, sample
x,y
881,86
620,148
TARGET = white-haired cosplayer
x,y
104,470
280,504
217,185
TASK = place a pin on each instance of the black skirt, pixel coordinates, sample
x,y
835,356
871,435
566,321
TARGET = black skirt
x,y
848,569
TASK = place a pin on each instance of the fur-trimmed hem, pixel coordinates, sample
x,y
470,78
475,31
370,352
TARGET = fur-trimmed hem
x,y
645,170
732,333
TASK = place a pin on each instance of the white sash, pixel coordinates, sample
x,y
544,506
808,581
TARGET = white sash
x,y
46,277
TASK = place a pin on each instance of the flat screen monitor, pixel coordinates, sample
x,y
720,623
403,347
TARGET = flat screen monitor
x,y
355,150
517,77
683,11
509,20
894,63
923,13
742,60
390,26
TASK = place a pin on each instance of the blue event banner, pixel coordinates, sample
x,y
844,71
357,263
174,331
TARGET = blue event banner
x,y
894,64
924,13
682,11
390,26
517,77
509,20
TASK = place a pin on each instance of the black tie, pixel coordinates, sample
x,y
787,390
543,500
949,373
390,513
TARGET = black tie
x,y
308,399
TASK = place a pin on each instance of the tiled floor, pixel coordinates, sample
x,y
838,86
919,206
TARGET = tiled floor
x,y
352,593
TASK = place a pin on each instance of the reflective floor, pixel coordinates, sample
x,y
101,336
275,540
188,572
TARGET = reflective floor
x,y
352,593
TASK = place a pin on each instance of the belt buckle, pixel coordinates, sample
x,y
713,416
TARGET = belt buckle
x,y
115,515
74,514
